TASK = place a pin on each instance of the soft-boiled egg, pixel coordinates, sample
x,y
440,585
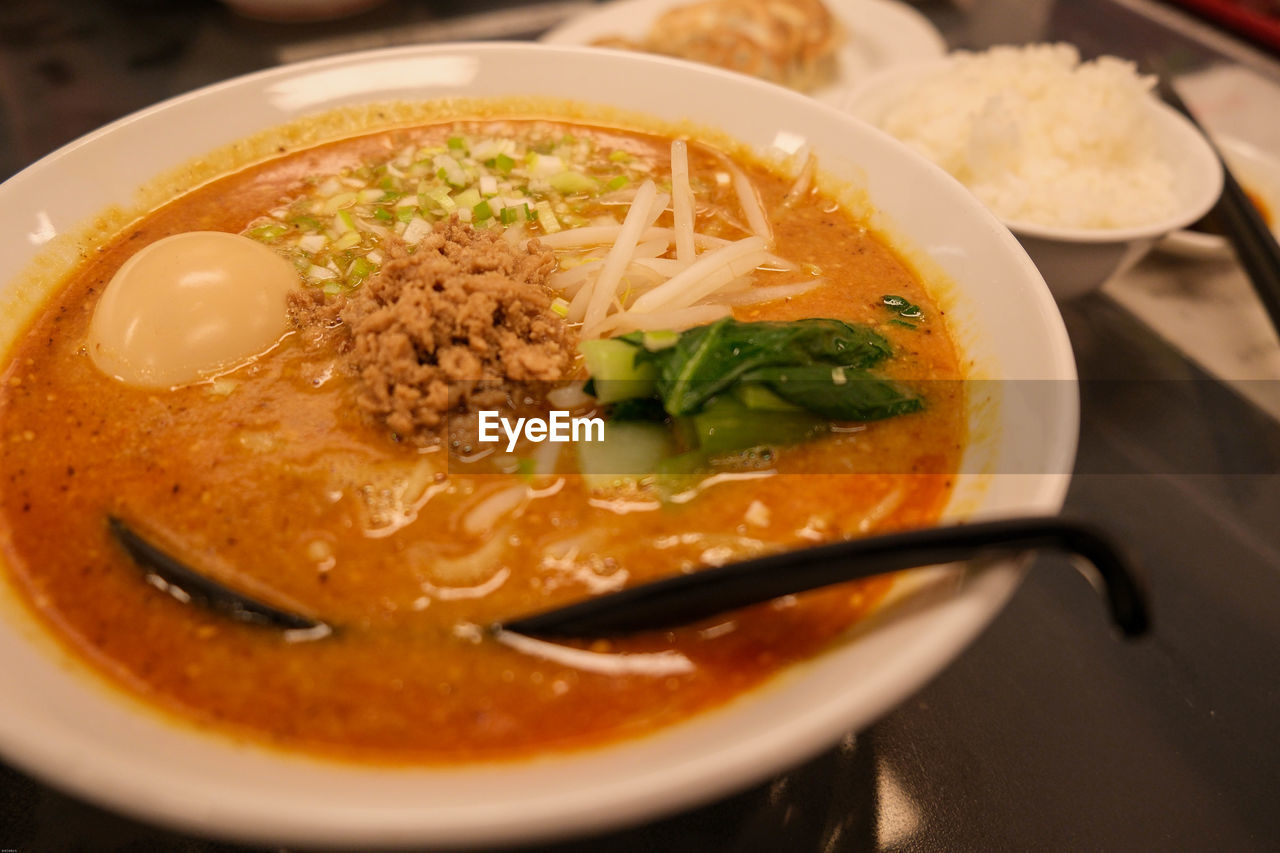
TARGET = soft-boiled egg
x,y
190,306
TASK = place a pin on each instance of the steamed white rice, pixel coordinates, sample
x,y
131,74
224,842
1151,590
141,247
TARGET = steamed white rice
x,y
1042,138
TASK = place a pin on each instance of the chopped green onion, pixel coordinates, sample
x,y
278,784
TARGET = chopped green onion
x,y
339,201
268,233
546,218
519,208
360,270
573,182
418,229
451,173
560,306
442,200
347,241
546,165
329,230
313,243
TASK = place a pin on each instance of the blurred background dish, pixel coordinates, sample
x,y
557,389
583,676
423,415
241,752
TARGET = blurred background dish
x,y
1259,174
789,42
877,34
300,10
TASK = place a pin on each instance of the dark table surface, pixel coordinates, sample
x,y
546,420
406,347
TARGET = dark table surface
x,y
1048,733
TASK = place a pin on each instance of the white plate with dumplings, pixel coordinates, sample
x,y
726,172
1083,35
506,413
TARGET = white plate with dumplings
x,y
878,34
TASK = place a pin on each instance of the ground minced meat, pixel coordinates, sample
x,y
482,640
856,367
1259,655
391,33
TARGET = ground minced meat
x,y
449,325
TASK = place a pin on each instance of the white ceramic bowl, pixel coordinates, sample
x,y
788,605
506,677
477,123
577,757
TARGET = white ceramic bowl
x,y
63,725
1075,261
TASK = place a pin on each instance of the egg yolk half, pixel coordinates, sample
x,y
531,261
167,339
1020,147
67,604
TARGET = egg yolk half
x,y
189,306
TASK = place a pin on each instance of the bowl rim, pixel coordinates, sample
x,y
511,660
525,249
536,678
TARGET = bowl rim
x,y
860,99
596,808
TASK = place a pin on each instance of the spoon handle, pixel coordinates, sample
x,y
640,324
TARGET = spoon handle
x,y
689,598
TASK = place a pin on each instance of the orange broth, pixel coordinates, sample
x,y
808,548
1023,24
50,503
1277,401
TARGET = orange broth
x,y
281,489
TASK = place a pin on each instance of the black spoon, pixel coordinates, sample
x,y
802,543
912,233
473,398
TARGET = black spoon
x,y
186,584
688,598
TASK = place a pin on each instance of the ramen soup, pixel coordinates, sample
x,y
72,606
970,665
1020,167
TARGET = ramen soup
x,y
294,408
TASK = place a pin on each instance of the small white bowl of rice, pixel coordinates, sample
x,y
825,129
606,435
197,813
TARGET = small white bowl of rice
x,y
1079,160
